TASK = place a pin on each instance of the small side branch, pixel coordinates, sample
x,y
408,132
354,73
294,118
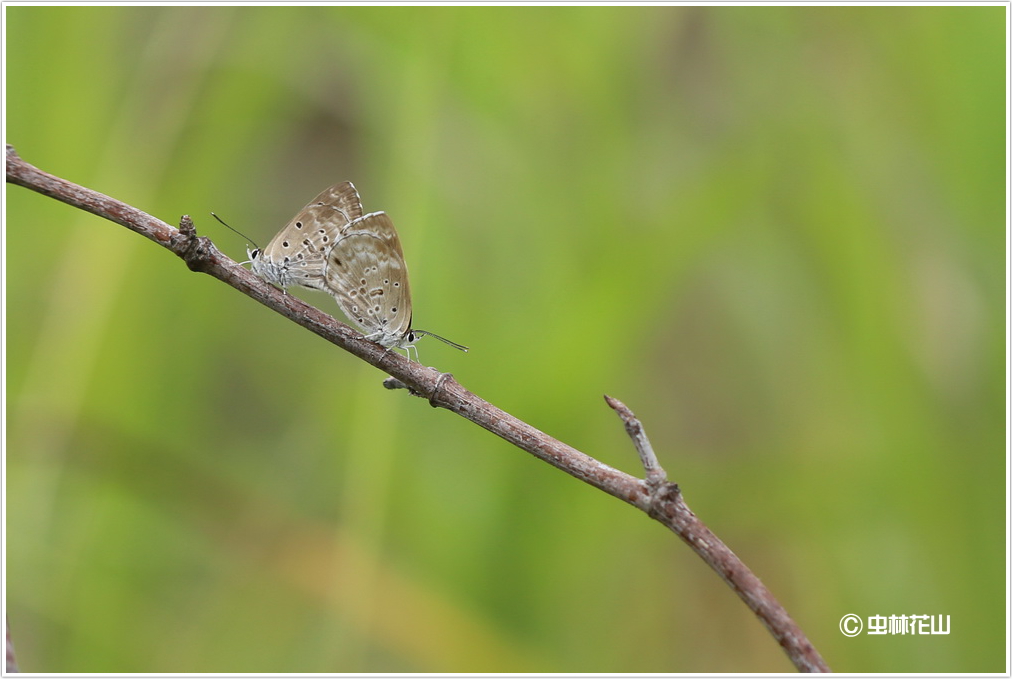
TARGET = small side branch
x,y
655,473
667,506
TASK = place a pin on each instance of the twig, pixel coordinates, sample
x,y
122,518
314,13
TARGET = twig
x,y
668,507
655,473
660,500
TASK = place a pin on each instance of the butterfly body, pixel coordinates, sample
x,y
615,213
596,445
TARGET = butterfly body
x,y
331,246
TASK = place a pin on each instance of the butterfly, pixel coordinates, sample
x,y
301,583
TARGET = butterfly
x,y
331,246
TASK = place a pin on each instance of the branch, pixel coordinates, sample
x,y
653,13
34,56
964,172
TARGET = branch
x,y
656,497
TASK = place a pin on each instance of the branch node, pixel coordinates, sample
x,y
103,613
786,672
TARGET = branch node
x,y
656,476
12,158
439,385
433,398
194,250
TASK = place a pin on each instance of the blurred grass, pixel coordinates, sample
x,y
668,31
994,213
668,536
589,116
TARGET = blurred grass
x,y
776,233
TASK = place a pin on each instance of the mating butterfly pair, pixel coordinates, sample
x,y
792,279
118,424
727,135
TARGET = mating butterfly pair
x,y
331,246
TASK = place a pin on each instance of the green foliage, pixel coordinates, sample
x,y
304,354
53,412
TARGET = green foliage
x,y
775,233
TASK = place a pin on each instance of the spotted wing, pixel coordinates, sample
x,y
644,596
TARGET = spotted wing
x,y
295,256
366,274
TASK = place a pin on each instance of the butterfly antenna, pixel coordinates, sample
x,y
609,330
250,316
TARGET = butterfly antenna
x,y
424,333
235,230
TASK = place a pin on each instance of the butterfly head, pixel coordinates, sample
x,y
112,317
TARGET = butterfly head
x,y
256,259
267,268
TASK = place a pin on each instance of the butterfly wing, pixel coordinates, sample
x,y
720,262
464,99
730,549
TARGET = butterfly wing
x,y
366,274
342,197
295,256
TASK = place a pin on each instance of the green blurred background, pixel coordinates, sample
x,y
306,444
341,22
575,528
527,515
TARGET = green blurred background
x,y
777,234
